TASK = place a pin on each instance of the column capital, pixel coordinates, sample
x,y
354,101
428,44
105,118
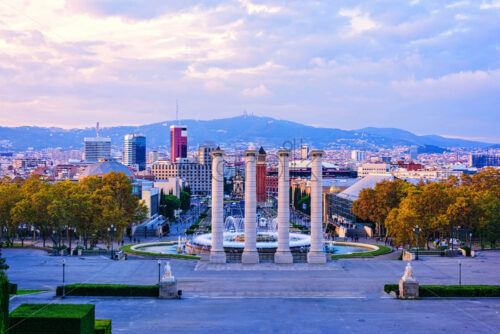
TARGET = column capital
x,y
316,153
285,153
218,152
250,153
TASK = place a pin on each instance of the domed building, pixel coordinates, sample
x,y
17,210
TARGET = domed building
x,y
102,168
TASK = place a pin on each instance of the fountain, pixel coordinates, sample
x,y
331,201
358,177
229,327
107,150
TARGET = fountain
x,y
234,237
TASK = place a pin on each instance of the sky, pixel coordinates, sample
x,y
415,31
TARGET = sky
x,y
430,67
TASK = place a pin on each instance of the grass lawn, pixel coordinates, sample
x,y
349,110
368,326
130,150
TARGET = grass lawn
x,y
128,249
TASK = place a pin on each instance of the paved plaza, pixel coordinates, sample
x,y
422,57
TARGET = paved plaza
x,y
341,296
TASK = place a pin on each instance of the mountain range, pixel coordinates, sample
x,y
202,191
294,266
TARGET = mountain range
x,y
235,132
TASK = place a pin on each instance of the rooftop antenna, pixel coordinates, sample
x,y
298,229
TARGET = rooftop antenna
x,y
177,111
97,129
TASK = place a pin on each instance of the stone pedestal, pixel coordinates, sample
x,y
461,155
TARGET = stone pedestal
x,y
283,257
408,289
168,289
250,257
316,257
408,285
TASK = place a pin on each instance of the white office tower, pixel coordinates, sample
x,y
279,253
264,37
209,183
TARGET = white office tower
x,y
413,153
205,153
96,148
153,156
357,155
304,152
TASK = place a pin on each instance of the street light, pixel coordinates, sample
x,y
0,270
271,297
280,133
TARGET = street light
x,y
417,230
453,236
112,230
159,271
459,272
63,288
470,240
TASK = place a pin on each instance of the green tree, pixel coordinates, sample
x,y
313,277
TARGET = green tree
x,y
185,199
10,195
172,203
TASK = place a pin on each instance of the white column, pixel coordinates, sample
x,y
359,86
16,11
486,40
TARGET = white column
x,y
217,254
316,254
283,254
250,254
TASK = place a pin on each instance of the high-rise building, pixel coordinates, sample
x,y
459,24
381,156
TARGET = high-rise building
x,y
413,153
153,156
135,151
304,152
484,160
205,153
178,142
358,155
197,176
261,176
97,148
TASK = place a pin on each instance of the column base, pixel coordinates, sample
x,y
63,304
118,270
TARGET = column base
x,y
283,257
217,257
250,257
316,258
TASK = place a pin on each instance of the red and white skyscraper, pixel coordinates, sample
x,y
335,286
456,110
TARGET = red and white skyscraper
x,y
178,142
261,171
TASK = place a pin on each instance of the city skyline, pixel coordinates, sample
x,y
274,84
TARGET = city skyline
x,y
424,67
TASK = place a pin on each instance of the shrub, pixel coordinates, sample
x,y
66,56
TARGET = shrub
x,y
115,290
53,318
4,302
467,250
102,326
452,290
12,288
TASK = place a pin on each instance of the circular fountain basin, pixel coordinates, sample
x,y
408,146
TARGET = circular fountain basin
x,y
265,240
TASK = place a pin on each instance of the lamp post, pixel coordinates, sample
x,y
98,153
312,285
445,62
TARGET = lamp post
x,y
470,240
159,271
459,272
63,287
417,230
112,230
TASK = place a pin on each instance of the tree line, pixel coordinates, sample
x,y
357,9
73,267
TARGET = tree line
x,y
438,208
68,209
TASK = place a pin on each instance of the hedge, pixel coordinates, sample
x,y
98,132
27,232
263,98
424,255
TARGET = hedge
x,y
128,249
452,290
102,326
4,302
115,290
12,288
380,251
53,318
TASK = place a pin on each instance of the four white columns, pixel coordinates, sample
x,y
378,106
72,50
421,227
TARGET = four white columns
x,y
283,254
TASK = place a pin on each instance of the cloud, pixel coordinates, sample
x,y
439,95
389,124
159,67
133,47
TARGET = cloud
x,y
455,85
374,63
359,21
260,91
253,8
491,4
